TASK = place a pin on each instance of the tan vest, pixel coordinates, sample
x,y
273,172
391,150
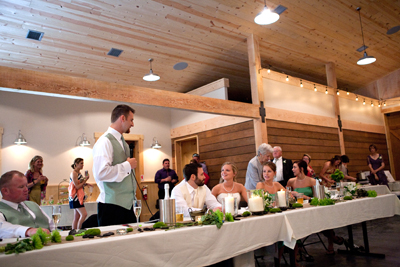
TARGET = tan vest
x,y
201,195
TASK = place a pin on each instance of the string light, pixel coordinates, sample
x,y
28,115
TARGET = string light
x,y
372,104
356,97
301,83
326,90
337,92
269,69
287,78
348,93
364,102
315,88
384,104
379,104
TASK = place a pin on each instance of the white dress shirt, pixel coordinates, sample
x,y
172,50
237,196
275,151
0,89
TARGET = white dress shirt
x,y
9,230
103,171
279,169
180,201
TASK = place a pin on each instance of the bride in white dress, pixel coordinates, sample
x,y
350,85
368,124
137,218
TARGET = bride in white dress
x,y
228,174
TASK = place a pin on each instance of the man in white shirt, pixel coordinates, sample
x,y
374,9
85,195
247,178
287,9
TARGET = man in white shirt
x,y
283,167
192,193
20,218
113,170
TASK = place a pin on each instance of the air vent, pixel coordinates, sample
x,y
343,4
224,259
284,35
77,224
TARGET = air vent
x,y
114,52
280,9
35,35
362,48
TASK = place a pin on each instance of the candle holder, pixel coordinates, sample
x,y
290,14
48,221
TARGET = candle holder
x,y
255,202
282,199
230,204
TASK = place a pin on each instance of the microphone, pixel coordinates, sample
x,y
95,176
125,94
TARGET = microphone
x,y
131,147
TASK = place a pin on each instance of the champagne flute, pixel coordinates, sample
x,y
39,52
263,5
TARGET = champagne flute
x,y
56,214
137,208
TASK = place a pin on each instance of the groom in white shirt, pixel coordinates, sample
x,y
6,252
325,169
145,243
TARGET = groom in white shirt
x,y
192,193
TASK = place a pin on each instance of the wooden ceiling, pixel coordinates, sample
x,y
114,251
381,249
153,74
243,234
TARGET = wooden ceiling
x,y
210,35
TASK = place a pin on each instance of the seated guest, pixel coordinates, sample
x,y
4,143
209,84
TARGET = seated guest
x,y
310,171
19,218
165,176
283,167
301,183
37,182
228,175
343,168
328,169
376,165
254,171
269,172
192,193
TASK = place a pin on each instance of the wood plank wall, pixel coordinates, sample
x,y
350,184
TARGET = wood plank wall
x,y
295,139
357,144
234,143
393,122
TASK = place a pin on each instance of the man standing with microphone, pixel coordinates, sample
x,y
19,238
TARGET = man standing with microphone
x,y
113,170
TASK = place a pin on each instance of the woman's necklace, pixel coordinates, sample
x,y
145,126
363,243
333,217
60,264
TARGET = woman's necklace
x,y
269,185
229,190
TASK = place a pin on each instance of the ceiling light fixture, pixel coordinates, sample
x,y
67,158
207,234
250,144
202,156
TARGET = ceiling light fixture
x,y
151,77
82,141
266,16
155,144
365,60
20,139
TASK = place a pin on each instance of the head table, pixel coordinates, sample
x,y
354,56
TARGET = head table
x,y
199,246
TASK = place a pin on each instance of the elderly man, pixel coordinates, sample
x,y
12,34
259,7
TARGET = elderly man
x,y
283,167
113,170
255,168
196,157
19,218
192,193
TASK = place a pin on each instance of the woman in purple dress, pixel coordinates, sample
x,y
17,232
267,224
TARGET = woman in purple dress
x,y
376,165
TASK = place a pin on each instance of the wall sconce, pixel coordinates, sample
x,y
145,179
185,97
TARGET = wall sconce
x,y
20,139
83,141
155,144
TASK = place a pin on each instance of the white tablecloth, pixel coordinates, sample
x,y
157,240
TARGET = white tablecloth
x,y
380,189
199,246
67,214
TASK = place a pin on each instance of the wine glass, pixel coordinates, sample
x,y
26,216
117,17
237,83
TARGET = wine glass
x,y
56,214
137,208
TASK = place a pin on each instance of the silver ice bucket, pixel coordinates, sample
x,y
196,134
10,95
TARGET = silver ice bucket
x,y
167,211
319,191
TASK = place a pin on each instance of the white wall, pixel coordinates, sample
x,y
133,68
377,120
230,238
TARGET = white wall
x,y
294,98
52,125
180,117
355,111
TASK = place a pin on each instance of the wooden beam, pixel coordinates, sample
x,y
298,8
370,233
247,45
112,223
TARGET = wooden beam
x,y
54,84
210,87
390,109
389,146
331,80
257,88
395,134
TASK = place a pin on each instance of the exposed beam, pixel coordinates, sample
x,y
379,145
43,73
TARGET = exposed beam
x,y
257,88
331,80
51,84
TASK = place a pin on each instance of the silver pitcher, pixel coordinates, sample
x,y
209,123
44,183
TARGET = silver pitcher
x,y
319,191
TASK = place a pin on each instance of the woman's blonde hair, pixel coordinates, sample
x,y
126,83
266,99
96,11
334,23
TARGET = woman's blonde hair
x,y
234,169
32,162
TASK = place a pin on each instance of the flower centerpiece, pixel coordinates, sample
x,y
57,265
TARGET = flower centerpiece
x,y
266,197
350,189
337,176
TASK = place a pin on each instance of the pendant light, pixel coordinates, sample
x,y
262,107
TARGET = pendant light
x,y
266,16
151,77
365,60
155,144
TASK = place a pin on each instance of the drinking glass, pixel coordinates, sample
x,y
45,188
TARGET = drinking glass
x,y
300,198
56,214
137,208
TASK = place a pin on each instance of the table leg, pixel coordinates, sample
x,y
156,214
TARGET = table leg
x,y
356,251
